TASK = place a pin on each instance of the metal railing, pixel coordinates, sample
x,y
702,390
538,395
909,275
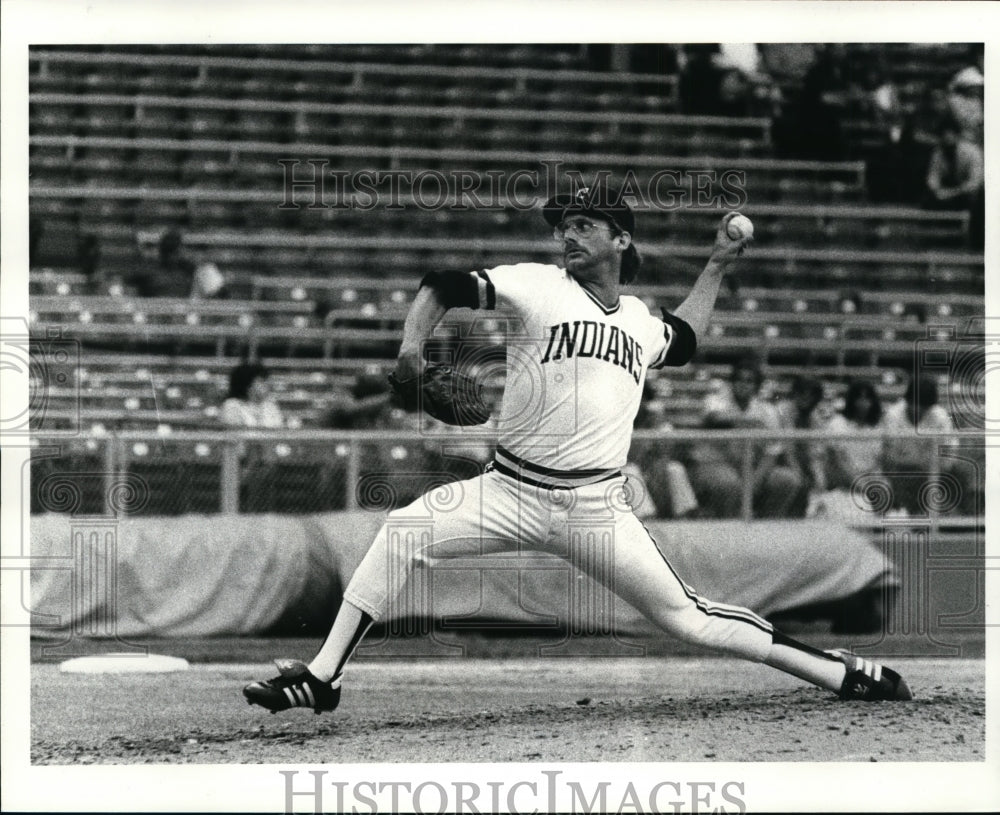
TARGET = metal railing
x,y
113,462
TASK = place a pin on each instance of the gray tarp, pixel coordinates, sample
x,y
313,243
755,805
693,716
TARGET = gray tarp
x,y
213,575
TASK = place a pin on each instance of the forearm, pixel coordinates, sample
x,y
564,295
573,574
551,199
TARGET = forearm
x,y
697,308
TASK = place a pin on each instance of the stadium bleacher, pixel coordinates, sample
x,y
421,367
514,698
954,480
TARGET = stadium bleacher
x,y
126,141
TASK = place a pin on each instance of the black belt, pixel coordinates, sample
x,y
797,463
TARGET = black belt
x,y
528,472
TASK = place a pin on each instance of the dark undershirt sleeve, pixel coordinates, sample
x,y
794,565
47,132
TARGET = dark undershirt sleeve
x,y
454,289
681,345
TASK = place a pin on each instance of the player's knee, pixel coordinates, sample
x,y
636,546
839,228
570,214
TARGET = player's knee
x,y
401,542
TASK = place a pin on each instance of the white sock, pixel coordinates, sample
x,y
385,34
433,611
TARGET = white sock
x,y
350,625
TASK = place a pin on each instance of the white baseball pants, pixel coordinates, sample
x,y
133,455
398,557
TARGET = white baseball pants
x,y
591,526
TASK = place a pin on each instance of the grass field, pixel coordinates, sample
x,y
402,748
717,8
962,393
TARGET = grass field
x,y
512,709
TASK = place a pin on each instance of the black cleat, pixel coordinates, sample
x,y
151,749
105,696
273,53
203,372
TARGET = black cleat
x,y
868,681
294,687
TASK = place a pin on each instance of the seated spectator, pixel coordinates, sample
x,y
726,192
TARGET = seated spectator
x,y
178,275
700,78
799,412
716,470
746,86
249,405
880,100
663,488
787,62
859,454
908,461
249,402
965,96
395,471
725,80
955,173
955,180
364,406
897,173
810,127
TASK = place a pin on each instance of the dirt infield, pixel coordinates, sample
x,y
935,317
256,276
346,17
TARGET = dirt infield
x,y
603,709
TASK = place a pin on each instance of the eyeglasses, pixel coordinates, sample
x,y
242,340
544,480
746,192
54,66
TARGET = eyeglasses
x,y
581,227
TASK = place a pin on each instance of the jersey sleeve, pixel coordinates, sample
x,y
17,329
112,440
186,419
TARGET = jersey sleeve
x,y
675,344
513,288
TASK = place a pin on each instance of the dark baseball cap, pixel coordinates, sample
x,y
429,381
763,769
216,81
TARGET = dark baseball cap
x,y
600,200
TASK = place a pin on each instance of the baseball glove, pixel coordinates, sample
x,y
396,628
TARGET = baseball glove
x,y
444,393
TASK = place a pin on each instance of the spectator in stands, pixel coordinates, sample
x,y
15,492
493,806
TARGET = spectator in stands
x,y
390,468
787,62
908,460
747,88
716,470
897,173
722,80
800,412
249,405
365,405
664,489
173,277
880,101
956,181
179,275
810,127
249,402
858,454
889,145
965,96
700,78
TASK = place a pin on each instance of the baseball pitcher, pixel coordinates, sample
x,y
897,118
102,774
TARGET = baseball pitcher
x,y
564,428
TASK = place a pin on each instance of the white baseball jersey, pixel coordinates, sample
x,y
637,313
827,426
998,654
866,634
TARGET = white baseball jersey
x,y
575,374
575,368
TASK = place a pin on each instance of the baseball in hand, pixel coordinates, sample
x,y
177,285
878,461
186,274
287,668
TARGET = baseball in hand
x,y
739,228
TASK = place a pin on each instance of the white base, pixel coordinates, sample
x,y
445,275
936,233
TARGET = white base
x,y
120,664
